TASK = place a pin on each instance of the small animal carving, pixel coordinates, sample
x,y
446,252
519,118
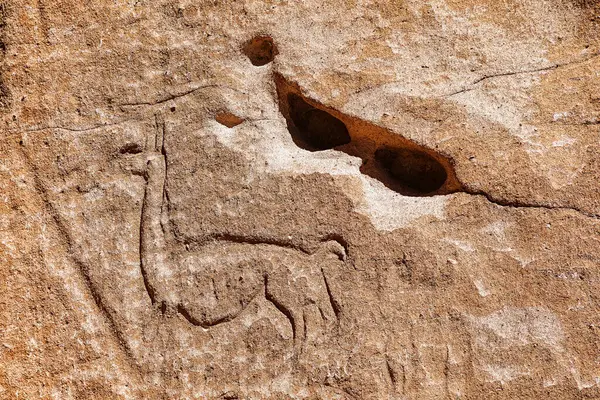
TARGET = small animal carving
x,y
213,282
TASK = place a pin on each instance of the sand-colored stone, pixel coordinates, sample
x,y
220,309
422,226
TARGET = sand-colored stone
x,y
166,231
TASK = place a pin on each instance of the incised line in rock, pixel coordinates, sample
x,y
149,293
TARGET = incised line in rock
x,y
82,266
529,71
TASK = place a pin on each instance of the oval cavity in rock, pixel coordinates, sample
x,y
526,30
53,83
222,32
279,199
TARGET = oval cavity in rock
x,y
414,169
316,129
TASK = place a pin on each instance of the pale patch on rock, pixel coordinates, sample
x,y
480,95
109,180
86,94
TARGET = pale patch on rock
x,y
507,105
517,333
269,147
520,326
503,374
549,382
496,229
524,261
560,115
564,160
461,244
481,288
388,210
564,141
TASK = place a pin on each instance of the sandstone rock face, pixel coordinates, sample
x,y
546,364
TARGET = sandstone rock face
x,y
300,199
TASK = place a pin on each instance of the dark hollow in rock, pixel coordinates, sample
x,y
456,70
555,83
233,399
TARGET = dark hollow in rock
x,y
414,169
402,165
260,50
131,148
315,129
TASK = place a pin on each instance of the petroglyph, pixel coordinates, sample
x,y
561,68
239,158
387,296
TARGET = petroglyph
x,y
299,200
213,282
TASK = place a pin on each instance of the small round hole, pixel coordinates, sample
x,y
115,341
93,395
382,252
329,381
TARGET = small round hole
x,y
261,50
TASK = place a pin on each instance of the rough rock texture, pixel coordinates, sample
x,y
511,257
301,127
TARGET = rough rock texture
x,y
300,199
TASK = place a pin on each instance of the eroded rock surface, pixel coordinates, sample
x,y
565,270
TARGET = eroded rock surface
x,y
300,200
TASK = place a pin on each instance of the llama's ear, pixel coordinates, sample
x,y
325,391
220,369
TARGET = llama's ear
x,y
156,140
335,249
402,165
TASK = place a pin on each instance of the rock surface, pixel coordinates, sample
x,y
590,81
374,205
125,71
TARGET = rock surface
x,y
300,200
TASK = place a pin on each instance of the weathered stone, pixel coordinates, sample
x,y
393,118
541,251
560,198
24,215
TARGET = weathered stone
x,y
304,200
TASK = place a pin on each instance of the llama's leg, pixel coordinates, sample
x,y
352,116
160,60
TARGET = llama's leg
x,y
284,298
332,254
